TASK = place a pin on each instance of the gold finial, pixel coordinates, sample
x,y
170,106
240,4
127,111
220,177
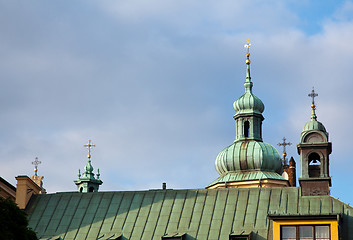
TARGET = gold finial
x,y
89,146
247,46
36,163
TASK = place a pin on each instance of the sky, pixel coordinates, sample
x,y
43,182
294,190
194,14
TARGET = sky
x,y
152,84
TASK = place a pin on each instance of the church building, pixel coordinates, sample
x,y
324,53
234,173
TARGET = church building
x,y
254,198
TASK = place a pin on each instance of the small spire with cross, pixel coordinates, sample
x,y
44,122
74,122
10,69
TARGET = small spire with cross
x,y
284,144
36,162
89,146
313,94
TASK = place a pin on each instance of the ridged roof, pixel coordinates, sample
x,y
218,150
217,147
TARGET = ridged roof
x,y
248,155
200,213
313,124
248,102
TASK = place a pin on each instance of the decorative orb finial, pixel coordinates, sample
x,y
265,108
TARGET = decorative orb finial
x,y
247,46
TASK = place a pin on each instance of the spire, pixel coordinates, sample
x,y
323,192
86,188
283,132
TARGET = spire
x,y
313,94
248,84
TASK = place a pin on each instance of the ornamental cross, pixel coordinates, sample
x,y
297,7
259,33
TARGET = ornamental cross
x,y
247,45
89,146
284,144
313,94
36,162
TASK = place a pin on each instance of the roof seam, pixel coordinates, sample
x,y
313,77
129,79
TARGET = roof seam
x,y
203,207
182,209
117,210
85,212
106,211
95,213
148,214
213,209
56,206
137,215
193,207
159,214
224,208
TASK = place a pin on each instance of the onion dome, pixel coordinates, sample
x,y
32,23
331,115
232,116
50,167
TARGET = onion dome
x,y
248,103
248,156
248,162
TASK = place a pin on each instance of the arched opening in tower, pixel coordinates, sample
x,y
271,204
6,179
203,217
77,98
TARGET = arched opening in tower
x,y
246,128
314,165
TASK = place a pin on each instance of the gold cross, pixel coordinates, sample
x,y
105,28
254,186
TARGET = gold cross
x,y
89,146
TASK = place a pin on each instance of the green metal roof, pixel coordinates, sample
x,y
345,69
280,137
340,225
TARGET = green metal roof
x,y
246,176
199,213
248,155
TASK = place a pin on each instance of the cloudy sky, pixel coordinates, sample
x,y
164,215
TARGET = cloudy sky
x,y
152,83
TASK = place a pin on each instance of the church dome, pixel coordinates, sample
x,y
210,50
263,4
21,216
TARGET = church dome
x,y
248,103
248,156
314,125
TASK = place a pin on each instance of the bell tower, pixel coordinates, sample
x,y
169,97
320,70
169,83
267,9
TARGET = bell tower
x,y
314,150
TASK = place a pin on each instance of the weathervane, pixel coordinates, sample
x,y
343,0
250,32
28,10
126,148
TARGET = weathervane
x,y
284,144
89,146
36,162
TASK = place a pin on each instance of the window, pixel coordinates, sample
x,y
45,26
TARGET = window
x,y
305,232
314,165
324,227
246,128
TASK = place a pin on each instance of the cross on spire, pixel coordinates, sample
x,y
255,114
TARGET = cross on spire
x,y
284,144
89,146
313,94
247,45
36,162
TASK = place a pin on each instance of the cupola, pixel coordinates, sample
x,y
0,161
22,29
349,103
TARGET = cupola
x,y
87,182
248,162
314,150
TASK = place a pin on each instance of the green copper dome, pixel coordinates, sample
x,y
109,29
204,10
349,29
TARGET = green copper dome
x,y
248,102
248,159
313,124
248,156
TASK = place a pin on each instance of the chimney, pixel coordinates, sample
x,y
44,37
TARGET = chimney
x,y
25,189
292,176
164,186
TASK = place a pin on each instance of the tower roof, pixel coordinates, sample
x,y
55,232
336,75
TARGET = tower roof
x,y
313,124
248,158
87,182
248,102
